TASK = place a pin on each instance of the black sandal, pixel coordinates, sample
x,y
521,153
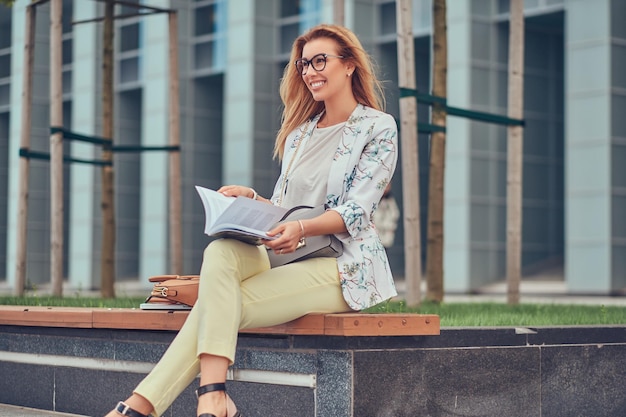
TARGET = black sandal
x,y
123,409
218,387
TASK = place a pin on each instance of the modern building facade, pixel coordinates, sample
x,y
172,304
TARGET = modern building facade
x,y
232,55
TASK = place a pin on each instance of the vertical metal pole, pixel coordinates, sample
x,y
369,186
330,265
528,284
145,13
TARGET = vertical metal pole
x,y
27,99
56,147
410,167
176,236
515,152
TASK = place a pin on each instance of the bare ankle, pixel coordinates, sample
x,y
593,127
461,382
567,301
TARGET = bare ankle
x,y
213,402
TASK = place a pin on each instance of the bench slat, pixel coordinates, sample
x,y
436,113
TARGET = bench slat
x,y
341,324
75,317
359,324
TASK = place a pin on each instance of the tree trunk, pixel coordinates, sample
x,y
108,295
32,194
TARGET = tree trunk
x,y
434,252
515,150
176,233
25,129
408,146
108,208
56,147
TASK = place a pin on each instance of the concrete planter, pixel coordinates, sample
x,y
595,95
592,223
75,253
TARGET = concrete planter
x,y
564,371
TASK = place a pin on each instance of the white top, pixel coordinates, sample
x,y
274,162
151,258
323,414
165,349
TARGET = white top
x,y
307,180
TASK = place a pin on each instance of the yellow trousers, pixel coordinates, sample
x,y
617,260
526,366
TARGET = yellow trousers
x,y
238,290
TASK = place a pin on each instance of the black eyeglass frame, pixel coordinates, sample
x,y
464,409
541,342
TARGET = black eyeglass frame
x,y
310,62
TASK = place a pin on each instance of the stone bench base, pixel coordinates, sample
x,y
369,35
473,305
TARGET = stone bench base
x,y
513,372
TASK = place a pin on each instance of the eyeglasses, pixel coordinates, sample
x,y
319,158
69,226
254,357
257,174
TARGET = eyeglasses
x,y
318,62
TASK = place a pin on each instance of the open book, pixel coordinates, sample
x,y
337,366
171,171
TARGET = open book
x,y
238,218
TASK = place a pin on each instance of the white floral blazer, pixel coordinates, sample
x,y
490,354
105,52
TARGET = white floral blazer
x,y
362,166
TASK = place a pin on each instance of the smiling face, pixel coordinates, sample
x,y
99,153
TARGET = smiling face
x,y
332,83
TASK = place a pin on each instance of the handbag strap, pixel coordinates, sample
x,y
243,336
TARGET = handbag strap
x,y
295,153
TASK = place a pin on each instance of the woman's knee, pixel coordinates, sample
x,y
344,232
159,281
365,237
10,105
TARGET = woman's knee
x,y
234,252
219,248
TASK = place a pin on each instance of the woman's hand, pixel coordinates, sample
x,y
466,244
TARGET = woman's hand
x,y
290,235
236,191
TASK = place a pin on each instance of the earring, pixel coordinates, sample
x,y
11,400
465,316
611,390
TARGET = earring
x,y
348,74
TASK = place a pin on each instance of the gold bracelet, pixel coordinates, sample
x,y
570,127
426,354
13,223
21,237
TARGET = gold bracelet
x,y
302,241
301,229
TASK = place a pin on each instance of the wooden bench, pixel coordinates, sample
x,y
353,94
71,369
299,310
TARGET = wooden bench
x,y
342,324
66,355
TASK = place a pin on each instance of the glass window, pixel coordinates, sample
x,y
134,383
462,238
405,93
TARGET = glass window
x,y
503,6
4,94
618,66
288,34
67,82
290,8
67,51
210,20
388,18
205,20
618,121
618,158
5,65
5,27
129,37
204,55
129,70
68,12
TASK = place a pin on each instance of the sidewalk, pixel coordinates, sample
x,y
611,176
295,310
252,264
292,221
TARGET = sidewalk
x,y
536,292
15,411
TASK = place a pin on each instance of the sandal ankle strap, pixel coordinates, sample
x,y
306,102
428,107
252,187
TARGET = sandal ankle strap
x,y
125,410
220,386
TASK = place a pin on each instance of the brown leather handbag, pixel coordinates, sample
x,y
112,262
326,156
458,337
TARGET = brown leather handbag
x,y
174,290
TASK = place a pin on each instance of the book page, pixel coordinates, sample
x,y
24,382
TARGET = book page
x,y
249,215
214,205
238,218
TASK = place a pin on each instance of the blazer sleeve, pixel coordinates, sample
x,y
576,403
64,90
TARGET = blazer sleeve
x,y
365,183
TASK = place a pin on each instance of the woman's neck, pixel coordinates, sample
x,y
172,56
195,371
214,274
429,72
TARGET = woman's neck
x,y
337,112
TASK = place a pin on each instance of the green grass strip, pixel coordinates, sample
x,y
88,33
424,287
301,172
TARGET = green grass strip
x,y
501,314
93,302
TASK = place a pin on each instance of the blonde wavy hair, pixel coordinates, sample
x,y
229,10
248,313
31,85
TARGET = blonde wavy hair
x,y
296,97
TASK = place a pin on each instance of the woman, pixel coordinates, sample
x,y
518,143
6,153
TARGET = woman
x,y
337,148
